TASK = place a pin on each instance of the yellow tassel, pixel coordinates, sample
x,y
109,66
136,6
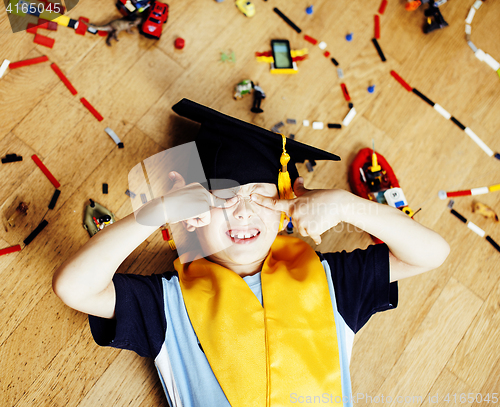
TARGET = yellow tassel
x,y
284,182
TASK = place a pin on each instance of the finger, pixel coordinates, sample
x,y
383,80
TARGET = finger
x,y
316,238
298,187
281,205
302,231
178,180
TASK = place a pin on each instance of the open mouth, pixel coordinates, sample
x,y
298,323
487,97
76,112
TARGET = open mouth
x,y
243,236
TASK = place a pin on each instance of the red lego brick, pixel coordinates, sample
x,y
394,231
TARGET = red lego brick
x,y
45,171
31,28
63,78
11,249
345,92
310,39
102,33
43,40
92,109
382,7
401,81
377,26
48,25
26,62
326,54
82,27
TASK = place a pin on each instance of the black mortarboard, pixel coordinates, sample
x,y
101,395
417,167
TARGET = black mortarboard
x,y
233,149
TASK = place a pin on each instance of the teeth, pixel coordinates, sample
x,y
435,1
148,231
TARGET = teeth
x,y
241,236
248,235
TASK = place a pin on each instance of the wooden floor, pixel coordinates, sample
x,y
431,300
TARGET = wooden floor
x,y
444,337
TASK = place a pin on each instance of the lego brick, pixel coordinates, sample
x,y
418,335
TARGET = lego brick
x,y
312,40
455,213
291,121
423,97
11,158
35,233
45,170
470,16
334,126
382,7
63,78
479,142
113,135
401,81
31,28
492,62
130,193
26,62
43,40
477,4
377,26
322,45
326,54
92,30
104,188
4,66
472,46
102,33
92,109
82,27
305,123
345,92
476,229
317,125
62,20
348,119
468,29
479,191
462,127
143,198
379,50
340,73
442,111
287,20
493,243
12,249
334,61
54,199
73,23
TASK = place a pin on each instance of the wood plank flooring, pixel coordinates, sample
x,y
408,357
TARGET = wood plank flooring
x,y
444,337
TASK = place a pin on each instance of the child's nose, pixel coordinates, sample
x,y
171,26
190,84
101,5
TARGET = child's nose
x,y
243,208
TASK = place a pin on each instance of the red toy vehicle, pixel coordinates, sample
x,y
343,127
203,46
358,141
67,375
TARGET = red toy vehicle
x,y
153,26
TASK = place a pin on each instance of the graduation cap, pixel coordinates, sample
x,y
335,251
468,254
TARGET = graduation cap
x,y
233,149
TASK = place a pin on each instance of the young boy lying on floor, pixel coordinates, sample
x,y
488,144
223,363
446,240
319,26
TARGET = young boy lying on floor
x,y
257,319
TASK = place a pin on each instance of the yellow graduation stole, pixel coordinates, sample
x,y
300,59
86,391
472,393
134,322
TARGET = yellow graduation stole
x,y
261,356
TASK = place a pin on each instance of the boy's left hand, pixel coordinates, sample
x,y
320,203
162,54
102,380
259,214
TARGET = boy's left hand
x,y
313,212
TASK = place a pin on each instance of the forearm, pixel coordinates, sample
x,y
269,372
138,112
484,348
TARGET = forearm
x,y
408,240
90,270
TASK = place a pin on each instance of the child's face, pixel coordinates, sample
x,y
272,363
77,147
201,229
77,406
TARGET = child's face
x,y
242,232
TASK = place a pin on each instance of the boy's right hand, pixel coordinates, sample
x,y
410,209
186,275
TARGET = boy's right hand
x,y
189,203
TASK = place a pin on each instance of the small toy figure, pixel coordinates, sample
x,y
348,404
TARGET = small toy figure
x,y
97,217
116,26
435,19
258,96
246,7
243,88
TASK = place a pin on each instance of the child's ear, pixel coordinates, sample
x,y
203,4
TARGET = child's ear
x,y
188,227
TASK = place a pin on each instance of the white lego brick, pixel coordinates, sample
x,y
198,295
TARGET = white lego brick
x,y
349,117
472,46
468,29
395,196
442,112
492,62
480,54
476,229
305,123
470,16
4,67
477,4
317,125
479,191
478,141
322,45
340,73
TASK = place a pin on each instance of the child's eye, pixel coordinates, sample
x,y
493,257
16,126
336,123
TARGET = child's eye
x,y
229,202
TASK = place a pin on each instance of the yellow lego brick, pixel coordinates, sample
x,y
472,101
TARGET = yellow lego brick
x,y
299,52
268,60
61,20
498,72
284,71
496,187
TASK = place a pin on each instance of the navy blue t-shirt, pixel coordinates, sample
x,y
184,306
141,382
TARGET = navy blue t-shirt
x,y
361,282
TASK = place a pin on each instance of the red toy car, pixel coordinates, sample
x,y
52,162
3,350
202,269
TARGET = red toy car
x,y
153,26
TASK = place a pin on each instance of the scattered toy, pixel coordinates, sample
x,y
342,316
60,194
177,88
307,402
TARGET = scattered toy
x,y
340,73
45,171
153,25
179,43
54,199
104,188
257,99
334,61
8,250
305,123
371,88
63,78
43,40
11,158
484,210
27,62
309,10
246,7
377,26
96,218
287,20
382,7
379,50
474,191
317,125
35,233
322,45
350,115
243,88
334,126
345,92
130,194
115,138
277,126
349,36
91,109
228,57
312,40
4,66
291,121
476,229
144,199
